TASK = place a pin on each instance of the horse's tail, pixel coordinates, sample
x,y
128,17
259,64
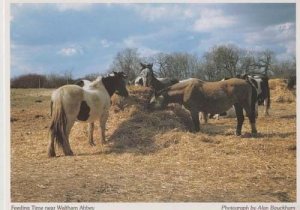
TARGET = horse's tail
x,y
58,121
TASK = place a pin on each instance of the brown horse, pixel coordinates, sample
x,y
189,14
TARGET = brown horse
x,y
210,97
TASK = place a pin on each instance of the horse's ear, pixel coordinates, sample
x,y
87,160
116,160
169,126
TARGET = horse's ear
x,y
143,65
123,75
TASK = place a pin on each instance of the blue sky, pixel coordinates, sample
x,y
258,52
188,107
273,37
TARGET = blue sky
x,y
84,38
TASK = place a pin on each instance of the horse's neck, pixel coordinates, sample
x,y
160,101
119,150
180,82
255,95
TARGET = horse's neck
x,y
176,91
175,96
156,84
109,85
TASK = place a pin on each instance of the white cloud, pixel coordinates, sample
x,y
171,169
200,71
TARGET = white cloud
x,y
283,35
274,33
198,19
70,51
137,42
211,19
168,12
105,43
73,6
146,52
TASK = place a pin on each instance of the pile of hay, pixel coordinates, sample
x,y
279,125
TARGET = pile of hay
x,y
132,127
280,93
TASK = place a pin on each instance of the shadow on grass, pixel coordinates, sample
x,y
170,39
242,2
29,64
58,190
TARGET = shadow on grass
x,y
279,135
137,134
292,116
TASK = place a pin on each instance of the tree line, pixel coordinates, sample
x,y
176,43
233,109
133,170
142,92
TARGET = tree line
x,y
219,62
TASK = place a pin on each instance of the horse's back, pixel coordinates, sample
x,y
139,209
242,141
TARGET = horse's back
x,y
215,97
71,92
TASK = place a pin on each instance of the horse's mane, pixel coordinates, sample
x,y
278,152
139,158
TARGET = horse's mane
x,y
97,83
180,85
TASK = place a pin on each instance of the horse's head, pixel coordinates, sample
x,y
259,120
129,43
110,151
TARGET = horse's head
x,y
120,83
158,100
147,74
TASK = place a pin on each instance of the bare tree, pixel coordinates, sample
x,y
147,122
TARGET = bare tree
x,y
265,60
222,61
128,61
29,81
68,75
248,62
176,65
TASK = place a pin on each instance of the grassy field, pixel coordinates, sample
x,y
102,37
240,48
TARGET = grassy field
x,y
152,157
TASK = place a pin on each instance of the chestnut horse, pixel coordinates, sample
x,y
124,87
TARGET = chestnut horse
x,y
210,97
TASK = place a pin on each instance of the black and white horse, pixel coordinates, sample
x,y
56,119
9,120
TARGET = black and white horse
x,y
71,103
261,84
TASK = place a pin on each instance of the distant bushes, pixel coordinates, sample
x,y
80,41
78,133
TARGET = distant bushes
x,y
40,81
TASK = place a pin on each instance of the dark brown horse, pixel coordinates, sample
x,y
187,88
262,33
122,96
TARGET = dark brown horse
x,y
210,97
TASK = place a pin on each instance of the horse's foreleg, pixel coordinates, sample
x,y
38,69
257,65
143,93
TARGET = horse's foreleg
x,y
267,106
90,133
196,121
240,118
256,110
103,120
204,116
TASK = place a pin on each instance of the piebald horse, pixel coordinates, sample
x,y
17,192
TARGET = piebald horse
x,y
71,103
147,78
210,97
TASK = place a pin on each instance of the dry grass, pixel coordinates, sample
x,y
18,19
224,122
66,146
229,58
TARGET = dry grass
x,y
153,157
280,91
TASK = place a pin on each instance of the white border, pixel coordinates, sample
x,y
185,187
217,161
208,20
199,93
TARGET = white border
x,y
3,147
6,82
5,197
152,1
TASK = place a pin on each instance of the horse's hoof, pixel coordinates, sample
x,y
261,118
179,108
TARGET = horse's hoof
x,y
254,134
92,144
238,134
70,154
104,142
51,154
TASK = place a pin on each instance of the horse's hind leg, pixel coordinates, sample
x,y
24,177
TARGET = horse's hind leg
x,y
90,133
51,149
251,113
66,144
252,117
196,121
240,118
